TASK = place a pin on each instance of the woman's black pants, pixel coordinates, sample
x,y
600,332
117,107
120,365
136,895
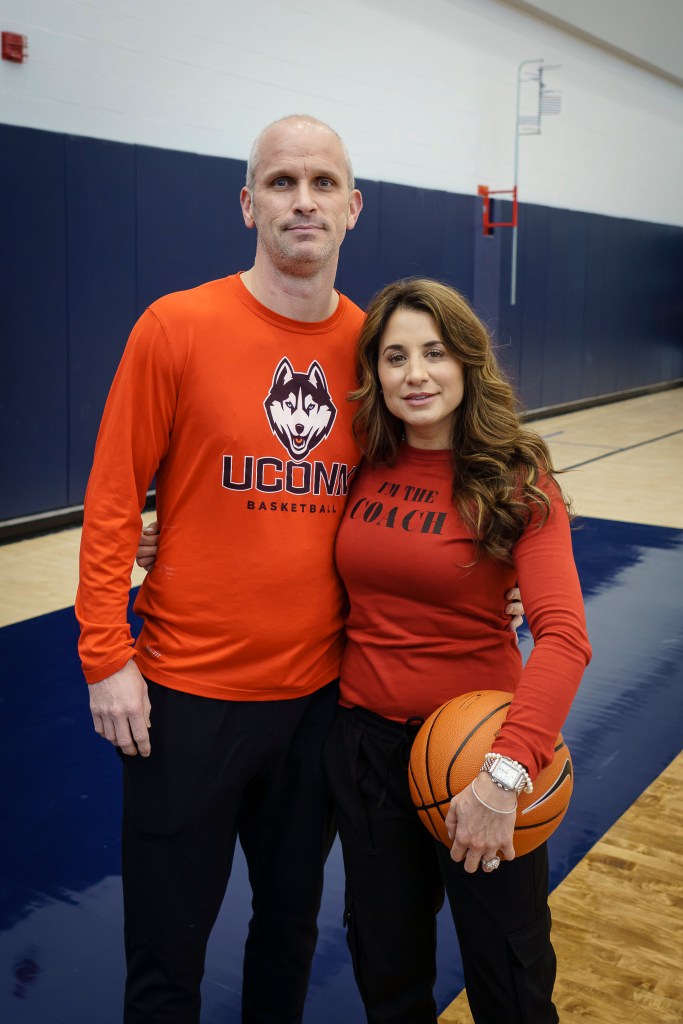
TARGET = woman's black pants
x,y
396,875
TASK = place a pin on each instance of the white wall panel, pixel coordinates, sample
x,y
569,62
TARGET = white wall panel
x,y
423,93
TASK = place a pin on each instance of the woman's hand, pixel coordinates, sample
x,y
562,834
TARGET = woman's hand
x,y
479,834
148,546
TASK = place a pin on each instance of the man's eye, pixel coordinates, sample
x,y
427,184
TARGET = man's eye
x,y
281,182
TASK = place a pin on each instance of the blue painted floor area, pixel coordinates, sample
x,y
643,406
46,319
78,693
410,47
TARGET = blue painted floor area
x,y
60,902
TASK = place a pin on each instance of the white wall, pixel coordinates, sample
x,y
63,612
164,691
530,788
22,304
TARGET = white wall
x,y
423,93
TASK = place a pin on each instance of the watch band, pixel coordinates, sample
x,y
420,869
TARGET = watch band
x,y
522,784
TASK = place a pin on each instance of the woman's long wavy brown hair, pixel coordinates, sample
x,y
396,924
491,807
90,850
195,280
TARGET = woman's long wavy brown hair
x,y
497,461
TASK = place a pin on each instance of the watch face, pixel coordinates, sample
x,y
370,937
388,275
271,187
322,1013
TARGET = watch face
x,y
506,774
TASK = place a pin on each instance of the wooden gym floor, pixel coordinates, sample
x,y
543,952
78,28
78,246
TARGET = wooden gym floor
x,y
617,859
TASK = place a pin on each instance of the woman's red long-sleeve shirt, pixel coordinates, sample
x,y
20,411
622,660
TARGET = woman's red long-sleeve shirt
x,y
426,624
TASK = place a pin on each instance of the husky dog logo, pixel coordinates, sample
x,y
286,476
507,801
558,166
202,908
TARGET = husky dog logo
x,y
299,408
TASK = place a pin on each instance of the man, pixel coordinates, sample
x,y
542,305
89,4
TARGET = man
x,y
234,393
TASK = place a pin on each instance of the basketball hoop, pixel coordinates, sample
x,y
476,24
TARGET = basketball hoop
x,y
484,191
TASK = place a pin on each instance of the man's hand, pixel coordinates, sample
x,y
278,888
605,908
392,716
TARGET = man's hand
x,y
120,709
514,608
148,547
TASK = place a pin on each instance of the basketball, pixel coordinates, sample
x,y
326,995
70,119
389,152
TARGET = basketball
x,y
448,752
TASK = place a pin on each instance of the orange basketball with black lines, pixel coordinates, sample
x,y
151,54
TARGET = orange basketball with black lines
x,y
450,749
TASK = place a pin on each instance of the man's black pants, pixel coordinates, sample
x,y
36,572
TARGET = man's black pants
x,y
396,874
219,770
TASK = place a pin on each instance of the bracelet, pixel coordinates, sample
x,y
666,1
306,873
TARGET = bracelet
x,y
496,810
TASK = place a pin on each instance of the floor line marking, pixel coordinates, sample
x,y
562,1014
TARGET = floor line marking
x,y
587,444
627,448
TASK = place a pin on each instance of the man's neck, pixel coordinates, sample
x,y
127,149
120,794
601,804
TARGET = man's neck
x,y
307,298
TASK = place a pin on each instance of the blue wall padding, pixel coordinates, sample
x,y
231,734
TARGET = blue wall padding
x,y
93,231
101,260
427,233
34,392
189,221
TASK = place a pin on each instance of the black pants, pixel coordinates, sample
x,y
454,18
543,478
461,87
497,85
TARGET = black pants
x,y
396,875
219,769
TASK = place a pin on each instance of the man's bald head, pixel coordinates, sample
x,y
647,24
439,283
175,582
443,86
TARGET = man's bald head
x,y
293,119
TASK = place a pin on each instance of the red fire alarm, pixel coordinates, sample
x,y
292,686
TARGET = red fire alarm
x,y
14,47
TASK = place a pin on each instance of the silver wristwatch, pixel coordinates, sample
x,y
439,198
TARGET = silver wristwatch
x,y
507,774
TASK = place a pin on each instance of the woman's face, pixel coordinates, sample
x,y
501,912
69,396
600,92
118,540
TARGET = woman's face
x,y
423,383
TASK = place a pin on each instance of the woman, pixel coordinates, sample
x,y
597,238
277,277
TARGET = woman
x,y
455,500
453,503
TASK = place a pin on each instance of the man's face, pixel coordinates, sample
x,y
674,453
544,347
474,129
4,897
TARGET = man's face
x,y
301,203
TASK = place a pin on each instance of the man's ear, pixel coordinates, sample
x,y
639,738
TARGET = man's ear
x,y
247,208
355,206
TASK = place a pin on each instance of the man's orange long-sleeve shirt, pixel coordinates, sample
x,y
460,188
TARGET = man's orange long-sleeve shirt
x,y
243,415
